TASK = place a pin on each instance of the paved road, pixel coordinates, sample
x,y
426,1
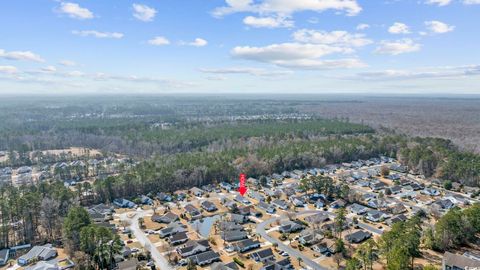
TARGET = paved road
x,y
142,238
295,253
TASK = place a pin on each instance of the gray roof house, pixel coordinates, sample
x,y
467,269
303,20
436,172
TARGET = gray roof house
x,y
197,192
246,245
263,255
42,253
290,226
171,229
376,216
317,218
178,238
453,261
234,235
205,258
280,204
208,206
266,207
358,209
283,264
166,218
193,211
193,247
358,237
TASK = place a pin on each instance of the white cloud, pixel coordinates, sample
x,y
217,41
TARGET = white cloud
x,y
340,38
144,13
268,22
439,2
8,69
75,11
438,27
198,42
287,7
247,70
471,2
298,55
159,41
397,47
421,73
363,26
49,69
67,63
21,55
97,34
398,28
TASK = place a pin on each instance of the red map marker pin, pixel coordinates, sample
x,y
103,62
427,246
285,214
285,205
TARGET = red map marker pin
x,y
242,189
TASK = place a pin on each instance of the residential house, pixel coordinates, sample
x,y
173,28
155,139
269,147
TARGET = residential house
x,y
241,199
246,245
397,209
124,203
163,197
280,204
229,226
206,258
263,255
270,209
178,238
377,204
310,237
317,218
246,210
256,196
395,189
197,192
192,211
226,186
239,219
453,261
231,205
209,206
430,191
338,204
234,235
38,253
222,266
396,219
288,226
130,264
443,204
172,229
322,248
376,216
193,247
146,200
282,264
358,237
458,199
297,201
358,209
378,186
167,218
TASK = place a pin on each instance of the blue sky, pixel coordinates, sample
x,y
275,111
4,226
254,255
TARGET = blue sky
x,y
239,46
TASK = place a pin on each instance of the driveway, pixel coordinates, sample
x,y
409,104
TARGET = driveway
x,y
142,238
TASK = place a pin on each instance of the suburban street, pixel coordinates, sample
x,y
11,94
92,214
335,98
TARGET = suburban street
x,y
260,229
142,238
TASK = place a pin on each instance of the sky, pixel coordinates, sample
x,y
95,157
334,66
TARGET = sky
x,y
239,46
